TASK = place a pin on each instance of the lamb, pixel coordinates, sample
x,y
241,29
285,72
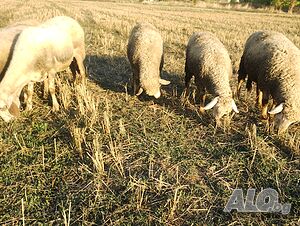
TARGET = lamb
x,y
76,33
273,61
145,54
8,38
208,60
39,53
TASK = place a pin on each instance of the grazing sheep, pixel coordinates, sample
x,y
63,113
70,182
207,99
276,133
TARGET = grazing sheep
x,y
75,31
145,54
207,59
39,53
8,38
273,61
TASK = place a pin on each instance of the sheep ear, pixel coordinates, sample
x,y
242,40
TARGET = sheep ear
x,y
14,110
234,107
277,109
164,82
211,104
140,91
157,95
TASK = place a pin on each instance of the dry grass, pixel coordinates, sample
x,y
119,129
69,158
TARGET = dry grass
x,y
108,158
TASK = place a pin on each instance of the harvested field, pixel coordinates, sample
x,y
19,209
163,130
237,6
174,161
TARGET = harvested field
x,y
110,158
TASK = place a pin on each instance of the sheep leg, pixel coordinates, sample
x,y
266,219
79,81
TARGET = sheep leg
x,y
265,101
188,77
135,81
259,95
241,77
51,80
161,64
77,68
239,86
249,88
249,85
80,67
73,67
46,88
200,94
28,96
136,86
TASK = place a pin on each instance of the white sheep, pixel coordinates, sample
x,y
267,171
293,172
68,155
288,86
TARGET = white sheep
x,y
39,53
8,38
208,60
145,54
273,61
76,33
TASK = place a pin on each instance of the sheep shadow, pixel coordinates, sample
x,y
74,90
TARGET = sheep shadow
x,y
110,73
114,73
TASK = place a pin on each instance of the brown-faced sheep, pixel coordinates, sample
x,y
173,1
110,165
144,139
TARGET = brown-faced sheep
x,y
207,59
273,61
145,54
39,53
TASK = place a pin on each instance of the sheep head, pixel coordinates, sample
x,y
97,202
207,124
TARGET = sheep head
x,y
153,88
222,106
281,120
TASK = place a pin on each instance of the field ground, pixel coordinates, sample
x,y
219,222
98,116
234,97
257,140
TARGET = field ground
x,y
109,158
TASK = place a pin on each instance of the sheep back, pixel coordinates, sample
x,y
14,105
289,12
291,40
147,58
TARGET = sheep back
x,y
71,26
208,59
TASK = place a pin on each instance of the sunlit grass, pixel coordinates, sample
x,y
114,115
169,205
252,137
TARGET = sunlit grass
x,y
109,158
